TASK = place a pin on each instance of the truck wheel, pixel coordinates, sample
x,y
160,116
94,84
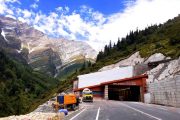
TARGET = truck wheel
x,y
73,106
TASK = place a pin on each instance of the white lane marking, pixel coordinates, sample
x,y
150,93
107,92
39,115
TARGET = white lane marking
x,y
162,108
97,116
74,111
142,112
152,106
77,114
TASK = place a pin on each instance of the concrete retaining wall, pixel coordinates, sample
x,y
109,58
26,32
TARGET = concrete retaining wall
x,y
166,91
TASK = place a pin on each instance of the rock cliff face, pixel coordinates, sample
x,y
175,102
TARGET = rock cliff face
x,y
136,59
11,46
45,54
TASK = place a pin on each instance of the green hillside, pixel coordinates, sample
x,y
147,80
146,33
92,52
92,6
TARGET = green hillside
x,y
22,89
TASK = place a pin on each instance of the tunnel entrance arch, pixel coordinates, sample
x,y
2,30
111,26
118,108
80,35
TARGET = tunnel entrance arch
x,y
129,89
124,93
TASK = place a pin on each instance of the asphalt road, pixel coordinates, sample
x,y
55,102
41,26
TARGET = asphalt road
x,y
116,110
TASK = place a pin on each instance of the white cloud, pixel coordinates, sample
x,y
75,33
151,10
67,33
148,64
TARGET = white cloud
x,y
36,1
98,30
22,19
34,6
4,8
11,1
62,10
26,13
138,14
94,27
67,9
59,8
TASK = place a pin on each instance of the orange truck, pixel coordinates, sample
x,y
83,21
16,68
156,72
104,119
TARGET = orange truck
x,y
70,101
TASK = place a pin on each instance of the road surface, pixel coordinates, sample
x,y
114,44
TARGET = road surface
x,y
116,110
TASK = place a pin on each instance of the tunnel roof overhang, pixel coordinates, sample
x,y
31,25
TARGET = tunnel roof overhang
x,y
136,81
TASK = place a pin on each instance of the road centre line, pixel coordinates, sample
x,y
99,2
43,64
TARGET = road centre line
x,y
97,115
77,114
142,112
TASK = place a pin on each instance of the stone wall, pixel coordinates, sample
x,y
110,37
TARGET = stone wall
x,y
163,84
166,92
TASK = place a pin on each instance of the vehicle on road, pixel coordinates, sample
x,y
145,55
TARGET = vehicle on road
x,y
66,101
87,95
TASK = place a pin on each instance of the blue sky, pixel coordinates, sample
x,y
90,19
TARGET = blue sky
x,y
106,7
93,21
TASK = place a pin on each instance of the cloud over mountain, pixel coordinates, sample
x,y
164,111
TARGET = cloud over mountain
x,y
90,25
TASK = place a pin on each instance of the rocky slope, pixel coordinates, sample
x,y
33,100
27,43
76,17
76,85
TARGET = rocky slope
x,y
136,59
132,60
43,112
163,83
164,70
45,54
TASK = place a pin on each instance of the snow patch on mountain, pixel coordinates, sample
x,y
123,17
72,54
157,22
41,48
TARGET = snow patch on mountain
x,y
3,34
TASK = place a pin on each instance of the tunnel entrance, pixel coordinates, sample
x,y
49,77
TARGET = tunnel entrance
x,y
124,93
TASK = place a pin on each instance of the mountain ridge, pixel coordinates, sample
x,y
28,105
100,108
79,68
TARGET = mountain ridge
x,y
42,48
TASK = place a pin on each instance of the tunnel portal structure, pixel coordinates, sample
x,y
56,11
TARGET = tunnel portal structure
x,y
116,84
